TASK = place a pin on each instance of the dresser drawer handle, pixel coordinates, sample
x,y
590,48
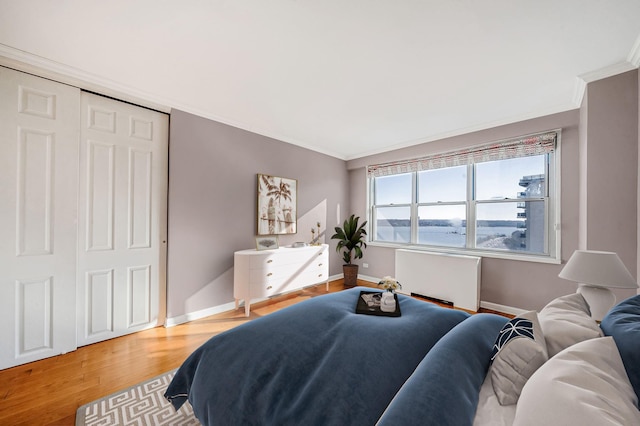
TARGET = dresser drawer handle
x,y
319,264
270,261
269,274
320,275
270,287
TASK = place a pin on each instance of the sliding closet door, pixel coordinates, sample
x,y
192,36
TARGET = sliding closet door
x,y
39,135
122,219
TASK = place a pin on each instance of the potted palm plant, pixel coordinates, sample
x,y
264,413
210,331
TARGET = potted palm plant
x,y
351,241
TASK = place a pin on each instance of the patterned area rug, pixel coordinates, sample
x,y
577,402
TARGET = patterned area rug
x,y
142,404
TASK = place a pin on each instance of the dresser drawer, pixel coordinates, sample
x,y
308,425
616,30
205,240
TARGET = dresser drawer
x,y
269,288
322,260
270,273
292,256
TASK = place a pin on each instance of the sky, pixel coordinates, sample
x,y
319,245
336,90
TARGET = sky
x,y
495,180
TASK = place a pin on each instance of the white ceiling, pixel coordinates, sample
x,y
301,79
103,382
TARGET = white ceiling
x,y
344,77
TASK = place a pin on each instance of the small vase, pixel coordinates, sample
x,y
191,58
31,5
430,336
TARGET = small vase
x,y
388,302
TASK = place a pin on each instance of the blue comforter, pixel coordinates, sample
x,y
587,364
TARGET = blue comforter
x,y
314,363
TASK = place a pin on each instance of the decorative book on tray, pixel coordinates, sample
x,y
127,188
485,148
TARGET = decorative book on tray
x,y
369,304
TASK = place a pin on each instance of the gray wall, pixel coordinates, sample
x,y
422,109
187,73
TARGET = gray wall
x,y
212,204
212,199
610,173
601,178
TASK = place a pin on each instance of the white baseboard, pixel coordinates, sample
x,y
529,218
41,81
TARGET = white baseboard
x,y
336,277
367,278
192,316
502,308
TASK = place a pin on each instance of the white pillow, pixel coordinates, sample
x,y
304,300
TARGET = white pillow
x,y
585,384
566,321
520,349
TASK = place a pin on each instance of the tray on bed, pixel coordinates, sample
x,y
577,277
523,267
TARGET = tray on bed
x,y
363,308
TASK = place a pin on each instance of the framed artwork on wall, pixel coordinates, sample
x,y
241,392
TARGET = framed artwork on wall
x,y
277,205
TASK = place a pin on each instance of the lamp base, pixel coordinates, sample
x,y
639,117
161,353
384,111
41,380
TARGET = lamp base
x,y
600,300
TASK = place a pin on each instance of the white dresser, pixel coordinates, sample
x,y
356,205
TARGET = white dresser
x,y
265,273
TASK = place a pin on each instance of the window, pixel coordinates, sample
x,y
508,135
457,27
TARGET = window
x,y
394,208
497,198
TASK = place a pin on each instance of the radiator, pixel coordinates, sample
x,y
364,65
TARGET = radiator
x,y
446,277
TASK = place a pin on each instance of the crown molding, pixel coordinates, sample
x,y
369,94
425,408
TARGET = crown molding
x,y
52,70
579,88
634,55
46,68
609,71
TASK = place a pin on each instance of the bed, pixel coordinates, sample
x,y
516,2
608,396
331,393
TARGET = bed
x,y
320,363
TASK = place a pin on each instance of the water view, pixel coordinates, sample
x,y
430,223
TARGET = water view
x,y
496,235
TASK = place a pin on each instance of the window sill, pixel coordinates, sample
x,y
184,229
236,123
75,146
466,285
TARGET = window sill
x,y
470,252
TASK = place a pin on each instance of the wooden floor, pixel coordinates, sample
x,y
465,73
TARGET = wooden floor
x,y
49,392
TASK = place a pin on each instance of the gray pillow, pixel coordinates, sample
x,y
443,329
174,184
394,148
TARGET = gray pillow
x,y
566,321
519,351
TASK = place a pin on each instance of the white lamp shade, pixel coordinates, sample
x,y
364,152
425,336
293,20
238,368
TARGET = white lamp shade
x,y
597,269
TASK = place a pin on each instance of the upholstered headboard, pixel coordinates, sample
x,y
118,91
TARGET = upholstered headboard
x,y
623,324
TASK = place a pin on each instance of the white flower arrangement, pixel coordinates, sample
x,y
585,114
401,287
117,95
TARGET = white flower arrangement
x,y
389,283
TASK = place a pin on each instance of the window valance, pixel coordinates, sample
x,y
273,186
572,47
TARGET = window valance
x,y
542,143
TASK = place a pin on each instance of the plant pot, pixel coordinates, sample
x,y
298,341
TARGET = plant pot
x,y
350,275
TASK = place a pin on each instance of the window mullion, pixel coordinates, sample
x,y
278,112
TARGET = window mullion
x,y
471,207
414,208
546,225
371,203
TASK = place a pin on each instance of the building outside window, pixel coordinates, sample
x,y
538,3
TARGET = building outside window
x,y
498,199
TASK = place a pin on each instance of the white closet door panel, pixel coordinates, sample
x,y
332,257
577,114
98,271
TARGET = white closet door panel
x,y
38,187
140,168
139,293
99,285
34,198
34,305
100,196
122,218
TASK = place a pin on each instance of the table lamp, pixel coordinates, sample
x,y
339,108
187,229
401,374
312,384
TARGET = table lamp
x,y
596,272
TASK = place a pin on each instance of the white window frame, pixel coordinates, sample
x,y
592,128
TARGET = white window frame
x,y
552,218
